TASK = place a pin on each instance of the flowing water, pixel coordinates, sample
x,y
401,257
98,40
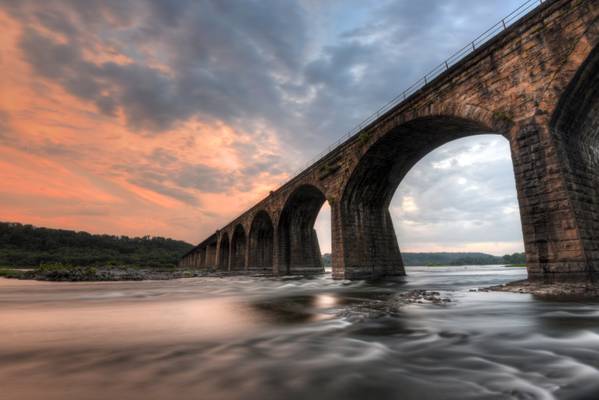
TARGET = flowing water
x,y
295,338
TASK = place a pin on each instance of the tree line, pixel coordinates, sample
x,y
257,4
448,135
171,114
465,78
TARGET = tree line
x,y
452,259
29,246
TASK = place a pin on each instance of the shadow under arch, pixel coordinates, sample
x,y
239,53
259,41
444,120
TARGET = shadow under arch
x,y
223,256
261,243
575,124
370,245
238,247
299,251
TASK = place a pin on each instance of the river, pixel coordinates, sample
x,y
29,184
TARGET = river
x,y
295,338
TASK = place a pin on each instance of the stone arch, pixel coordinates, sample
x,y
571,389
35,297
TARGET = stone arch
x,y
238,248
261,243
370,248
488,119
223,255
575,124
556,88
298,250
575,115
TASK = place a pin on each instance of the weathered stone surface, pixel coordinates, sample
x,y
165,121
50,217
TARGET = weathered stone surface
x,y
537,84
261,243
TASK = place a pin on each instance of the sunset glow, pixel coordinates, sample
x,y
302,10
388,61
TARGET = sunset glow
x,y
138,119
63,163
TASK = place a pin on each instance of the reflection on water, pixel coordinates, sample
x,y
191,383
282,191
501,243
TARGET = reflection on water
x,y
295,338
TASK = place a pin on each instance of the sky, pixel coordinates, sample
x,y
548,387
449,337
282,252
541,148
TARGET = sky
x,y
171,117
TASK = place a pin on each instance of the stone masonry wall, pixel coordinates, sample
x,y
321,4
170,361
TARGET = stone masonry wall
x,y
512,86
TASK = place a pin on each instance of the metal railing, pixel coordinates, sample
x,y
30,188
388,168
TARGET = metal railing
x,y
483,38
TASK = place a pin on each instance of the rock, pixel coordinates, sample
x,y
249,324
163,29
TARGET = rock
x,y
420,296
571,290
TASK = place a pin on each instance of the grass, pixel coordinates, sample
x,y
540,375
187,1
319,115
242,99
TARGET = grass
x,y
10,273
364,138
54,271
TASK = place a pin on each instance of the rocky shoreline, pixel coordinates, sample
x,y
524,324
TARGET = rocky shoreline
x,y
575,290
106,274
561,290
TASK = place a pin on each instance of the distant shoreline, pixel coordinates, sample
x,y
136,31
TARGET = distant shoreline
x,y
67,273
105,274
469,265
61,273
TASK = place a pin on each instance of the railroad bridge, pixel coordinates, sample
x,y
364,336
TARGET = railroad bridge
x,y
536,82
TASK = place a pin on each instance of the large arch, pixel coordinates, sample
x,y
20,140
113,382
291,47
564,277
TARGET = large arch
x,y
575,123
370,248
299,252
238,247
223,255
261,243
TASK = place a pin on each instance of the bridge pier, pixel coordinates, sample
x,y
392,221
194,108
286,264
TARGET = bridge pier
x,y
211,255
238,250
299,252
364,244
223,253
559,244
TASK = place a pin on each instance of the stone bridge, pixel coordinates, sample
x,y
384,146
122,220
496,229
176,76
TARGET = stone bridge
x,y
536,84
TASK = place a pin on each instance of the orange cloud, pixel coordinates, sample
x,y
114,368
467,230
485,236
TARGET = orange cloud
x,y
64,164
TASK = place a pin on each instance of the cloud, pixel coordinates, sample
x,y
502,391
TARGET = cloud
x,y
244,65
203,178
156,184
163,173
212,59
4,125
463,192
145,95
186,105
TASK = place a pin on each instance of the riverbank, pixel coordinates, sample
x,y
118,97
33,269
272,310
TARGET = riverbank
x,y
65,273
577,290
69,273
62,273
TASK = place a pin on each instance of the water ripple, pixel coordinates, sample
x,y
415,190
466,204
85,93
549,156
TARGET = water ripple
x,y
296,338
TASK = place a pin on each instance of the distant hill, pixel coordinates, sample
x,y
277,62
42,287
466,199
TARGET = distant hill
x,y
432,259
419,259
29,246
